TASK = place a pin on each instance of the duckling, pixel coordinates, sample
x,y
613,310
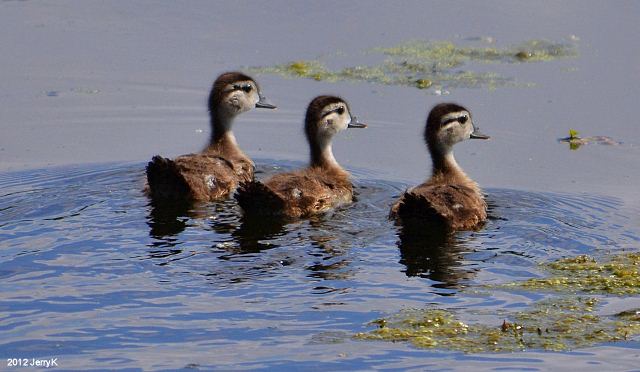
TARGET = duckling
x,y
318,188
449,198
216,171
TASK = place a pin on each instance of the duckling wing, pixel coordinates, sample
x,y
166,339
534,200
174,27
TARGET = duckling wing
x,y
455,207
200,177
294,195
312,192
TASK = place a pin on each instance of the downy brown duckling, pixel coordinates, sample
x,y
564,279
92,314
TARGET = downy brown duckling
x,y
221,166
448,199
320,187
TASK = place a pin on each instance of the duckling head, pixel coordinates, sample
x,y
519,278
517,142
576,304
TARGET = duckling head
x,y
234,93
326,116
448,124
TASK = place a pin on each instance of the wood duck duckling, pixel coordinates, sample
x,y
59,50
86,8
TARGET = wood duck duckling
x,y
221,166
320,187
449,198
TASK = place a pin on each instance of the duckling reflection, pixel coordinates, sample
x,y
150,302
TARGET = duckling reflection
x,y
256,234
166,221
330,253
169,218
433,254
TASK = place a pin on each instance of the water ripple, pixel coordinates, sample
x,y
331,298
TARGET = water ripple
x,y
90,266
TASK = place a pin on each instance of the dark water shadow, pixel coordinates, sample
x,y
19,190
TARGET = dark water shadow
x,y
253,232
167,219
433,252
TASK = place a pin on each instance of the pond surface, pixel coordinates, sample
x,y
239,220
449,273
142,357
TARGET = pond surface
x,y
96,275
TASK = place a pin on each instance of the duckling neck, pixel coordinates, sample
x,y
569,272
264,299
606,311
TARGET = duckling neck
x,y
446,168
222,139
322,156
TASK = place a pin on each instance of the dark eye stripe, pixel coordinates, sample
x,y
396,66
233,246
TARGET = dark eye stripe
x,y
461,119
339,111
245,87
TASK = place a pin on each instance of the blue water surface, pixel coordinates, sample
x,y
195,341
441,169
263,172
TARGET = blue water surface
x,y
95,274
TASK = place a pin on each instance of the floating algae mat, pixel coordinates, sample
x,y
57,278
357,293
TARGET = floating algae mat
x,y
620,275
434,65
554,324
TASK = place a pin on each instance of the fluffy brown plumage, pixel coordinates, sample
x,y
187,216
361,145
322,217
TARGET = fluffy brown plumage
x,y
449,199
320,187
216,171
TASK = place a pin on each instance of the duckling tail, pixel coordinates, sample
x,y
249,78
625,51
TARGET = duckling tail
x,y
415,208
165,180
256,198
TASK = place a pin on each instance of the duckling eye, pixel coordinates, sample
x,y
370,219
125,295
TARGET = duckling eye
x,y
340,110
247,88
463,119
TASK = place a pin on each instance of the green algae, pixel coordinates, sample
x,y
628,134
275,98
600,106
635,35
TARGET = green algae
x,y
445,54
554,325
423,83
387,73
543,50
427,65
573,134
619,275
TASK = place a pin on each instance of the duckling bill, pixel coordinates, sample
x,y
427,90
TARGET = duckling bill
x,y
318,188
449,199
216,171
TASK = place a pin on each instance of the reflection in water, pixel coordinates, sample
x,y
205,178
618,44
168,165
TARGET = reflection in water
x,y
197,273
253,234
252,240
167,219
432,252
330,254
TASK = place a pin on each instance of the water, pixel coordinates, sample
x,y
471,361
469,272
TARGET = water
x,y
94,274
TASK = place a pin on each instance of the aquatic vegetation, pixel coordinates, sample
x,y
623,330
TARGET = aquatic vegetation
x,y
388,73
428,64
448,55
619,275
556,324
543,50
308,69
575,141
423,83
573,134
553,324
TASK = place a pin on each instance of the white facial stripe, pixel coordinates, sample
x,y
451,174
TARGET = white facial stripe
x,y
449,125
